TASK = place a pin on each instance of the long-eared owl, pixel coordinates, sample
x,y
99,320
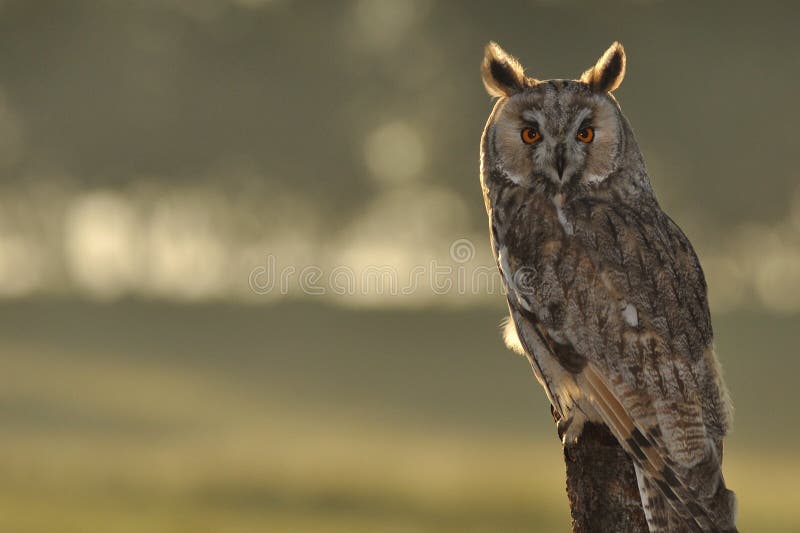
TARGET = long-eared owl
x,y
606,295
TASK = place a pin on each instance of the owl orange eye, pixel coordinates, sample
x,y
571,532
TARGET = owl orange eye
x,y
586,135
530,135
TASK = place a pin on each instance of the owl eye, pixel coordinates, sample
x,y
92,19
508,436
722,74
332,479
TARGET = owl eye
x,y
530,135
586,135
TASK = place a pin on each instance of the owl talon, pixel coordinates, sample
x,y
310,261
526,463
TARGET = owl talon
x,y
562,426
570,429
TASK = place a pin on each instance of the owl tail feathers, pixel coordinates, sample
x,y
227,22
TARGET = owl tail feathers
x,y
669,495
723,507
663,518
660,517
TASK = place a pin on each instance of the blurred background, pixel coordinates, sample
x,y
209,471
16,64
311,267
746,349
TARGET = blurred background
x,y
219,225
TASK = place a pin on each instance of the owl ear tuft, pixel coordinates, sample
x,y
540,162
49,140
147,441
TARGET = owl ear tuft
x,y
609,71
502,73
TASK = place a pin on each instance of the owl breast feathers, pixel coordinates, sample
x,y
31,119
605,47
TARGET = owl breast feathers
x,y
606,295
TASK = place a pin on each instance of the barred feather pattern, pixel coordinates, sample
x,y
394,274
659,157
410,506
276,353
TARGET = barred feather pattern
x,y
608,301
653,384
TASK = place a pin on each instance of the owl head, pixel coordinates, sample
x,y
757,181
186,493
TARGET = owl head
x,y
556,135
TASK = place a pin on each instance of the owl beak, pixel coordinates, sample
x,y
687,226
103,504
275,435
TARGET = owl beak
x,y
560,160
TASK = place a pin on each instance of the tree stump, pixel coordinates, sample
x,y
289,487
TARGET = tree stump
x,y
601,485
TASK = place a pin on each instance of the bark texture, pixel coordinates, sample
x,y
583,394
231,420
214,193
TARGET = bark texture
x,y
601,485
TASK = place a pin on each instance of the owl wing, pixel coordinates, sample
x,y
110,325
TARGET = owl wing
x,y
620,300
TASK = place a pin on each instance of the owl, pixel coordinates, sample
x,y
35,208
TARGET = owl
x,y
606,295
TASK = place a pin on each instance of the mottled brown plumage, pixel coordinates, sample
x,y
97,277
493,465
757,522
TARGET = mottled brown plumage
x,y
606,294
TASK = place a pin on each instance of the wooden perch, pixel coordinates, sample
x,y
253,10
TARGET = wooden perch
x,y
601,485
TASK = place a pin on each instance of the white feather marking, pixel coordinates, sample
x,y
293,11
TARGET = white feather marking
x,y
505,268
558,201
594,178
630,315
516,179
579,118
502,258
510,336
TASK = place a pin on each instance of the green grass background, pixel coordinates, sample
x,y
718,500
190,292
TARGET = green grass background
x,y
144,417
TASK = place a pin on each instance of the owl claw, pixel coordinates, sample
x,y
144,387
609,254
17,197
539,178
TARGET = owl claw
x,y
570,429
562,426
